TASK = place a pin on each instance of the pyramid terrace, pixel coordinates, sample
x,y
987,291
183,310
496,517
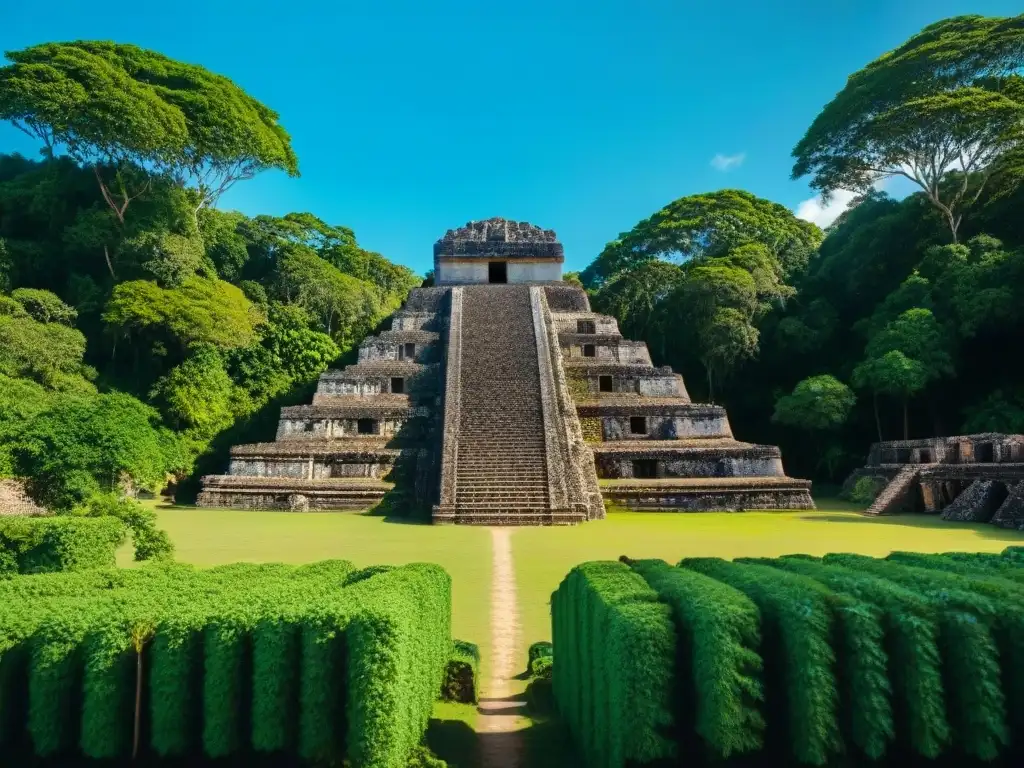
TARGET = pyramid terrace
x,y
498,397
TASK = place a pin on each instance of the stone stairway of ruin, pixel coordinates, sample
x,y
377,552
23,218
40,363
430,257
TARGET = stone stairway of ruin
x,y
501,465
895,492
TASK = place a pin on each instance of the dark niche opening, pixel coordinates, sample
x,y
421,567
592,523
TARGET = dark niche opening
x,y
983,453
589,350
407,351
366,426
638,425
645,469
585,326
398,386
604,384
497,272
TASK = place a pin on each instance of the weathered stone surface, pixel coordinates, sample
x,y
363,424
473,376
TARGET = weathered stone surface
x,y
336,452
1011,512
14,500
978,503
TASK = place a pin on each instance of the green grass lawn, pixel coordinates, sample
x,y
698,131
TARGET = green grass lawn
x,y
544,555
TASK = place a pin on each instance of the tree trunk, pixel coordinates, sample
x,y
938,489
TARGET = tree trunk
x,y
878,419
711,389
138,703
906,422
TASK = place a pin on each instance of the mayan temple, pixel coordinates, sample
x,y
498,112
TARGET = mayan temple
x,y
499,397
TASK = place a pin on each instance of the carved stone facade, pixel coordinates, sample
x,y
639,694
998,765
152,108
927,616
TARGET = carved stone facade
x,y
972,478
497,251
371,429
505,404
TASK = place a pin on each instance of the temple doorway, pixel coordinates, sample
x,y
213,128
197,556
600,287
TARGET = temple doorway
x,y
497,272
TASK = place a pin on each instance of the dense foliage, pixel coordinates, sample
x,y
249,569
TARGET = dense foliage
x,y
234,661
795,659
137,321
904,319
43,544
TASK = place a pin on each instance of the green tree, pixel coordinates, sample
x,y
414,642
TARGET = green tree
x,y
346,307
44,306
725,339
818,404
197,311
48,353
197,396
891,374
119,109
84,446
948,99
708,226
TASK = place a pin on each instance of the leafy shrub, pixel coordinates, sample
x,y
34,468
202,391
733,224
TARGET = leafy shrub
x,y
369,656
616,649
151,543
865,490
802,696
43,544
982,621
911,637
538,650
541,667
719,668
461,673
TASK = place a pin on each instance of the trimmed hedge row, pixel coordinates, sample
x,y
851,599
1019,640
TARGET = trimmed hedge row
x,y
319,662
796,660
46,544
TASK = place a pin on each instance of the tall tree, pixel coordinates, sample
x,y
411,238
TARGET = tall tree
x,y
124,110
707,226
949,99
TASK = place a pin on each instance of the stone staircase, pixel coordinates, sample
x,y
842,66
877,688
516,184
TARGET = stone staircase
x,y
896,492
501,463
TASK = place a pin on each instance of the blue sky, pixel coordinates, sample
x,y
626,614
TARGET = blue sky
x,y
410,118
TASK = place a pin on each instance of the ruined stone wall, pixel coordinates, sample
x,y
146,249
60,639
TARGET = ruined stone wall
x,y
668,427
655,499
566,298
577,460
451,404
306,428
618,466
534,271
611,350
662,382
568,322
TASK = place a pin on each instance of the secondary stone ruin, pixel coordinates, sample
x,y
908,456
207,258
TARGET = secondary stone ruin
x,y
499,397
975,478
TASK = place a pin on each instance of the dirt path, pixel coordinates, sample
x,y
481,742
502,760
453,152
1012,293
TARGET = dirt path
x,y
501,712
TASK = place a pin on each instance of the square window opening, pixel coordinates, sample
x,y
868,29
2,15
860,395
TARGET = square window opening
x,y
585,326
589,350
645,469
638,425
604,384
398,386
409,351
366,426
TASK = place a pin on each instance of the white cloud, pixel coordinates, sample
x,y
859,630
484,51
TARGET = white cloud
x,y
728,162
821,213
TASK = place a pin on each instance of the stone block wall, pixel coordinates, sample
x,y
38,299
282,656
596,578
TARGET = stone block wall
x,y
610,351
618,466
667,427
568,322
